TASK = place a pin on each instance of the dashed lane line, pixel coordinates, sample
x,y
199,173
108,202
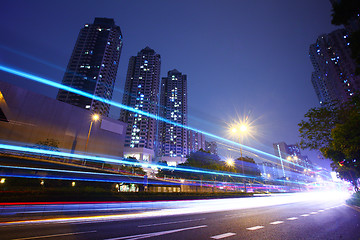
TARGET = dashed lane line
x,y
254,228
225,235
166,223
292,218
155,234
276,222
305,215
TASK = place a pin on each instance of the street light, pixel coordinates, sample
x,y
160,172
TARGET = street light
x,y
230,162
94,118
241,129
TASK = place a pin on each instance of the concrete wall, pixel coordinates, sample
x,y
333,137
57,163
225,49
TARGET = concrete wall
x,y
33,117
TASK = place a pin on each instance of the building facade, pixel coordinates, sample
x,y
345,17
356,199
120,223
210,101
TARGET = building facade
x,y
141,92
93,65
211,147
173,139
29,118
334,76
196,141
268,170
291,164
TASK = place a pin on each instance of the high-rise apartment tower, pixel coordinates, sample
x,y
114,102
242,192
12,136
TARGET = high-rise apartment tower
x,y
196,141
334,76
93,65
141,93
173,139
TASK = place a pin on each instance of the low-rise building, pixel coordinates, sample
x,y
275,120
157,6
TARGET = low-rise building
x,y
28,118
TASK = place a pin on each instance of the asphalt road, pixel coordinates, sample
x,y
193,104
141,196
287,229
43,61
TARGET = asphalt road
x,y
253,218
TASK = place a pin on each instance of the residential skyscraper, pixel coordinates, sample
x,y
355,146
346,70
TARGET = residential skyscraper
x,y
93,65
173,140
141,92
334,76
292,163
211,147
196,141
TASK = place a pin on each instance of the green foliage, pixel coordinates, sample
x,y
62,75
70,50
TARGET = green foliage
x,y
344,11
48,144
199,160
315,131
335,131
354,39
205,160
133,168
354,200
247,166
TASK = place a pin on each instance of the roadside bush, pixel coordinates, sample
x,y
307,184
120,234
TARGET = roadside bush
x,y
354,200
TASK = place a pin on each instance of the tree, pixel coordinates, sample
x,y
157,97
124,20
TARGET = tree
x,y
344,11
315,132
133,168
48,144
334,130
247,166
201,160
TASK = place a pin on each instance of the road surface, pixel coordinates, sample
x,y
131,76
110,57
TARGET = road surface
x,y
291,216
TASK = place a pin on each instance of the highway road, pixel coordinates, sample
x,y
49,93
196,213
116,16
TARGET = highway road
x,y
290,216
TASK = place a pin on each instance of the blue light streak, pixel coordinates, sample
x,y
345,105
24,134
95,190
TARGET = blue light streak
x,y
116,161
121,161
77,178
122,106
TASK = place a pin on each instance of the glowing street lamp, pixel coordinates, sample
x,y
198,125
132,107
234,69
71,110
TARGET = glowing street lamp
x,y
94,118
243,128
230,162
240,129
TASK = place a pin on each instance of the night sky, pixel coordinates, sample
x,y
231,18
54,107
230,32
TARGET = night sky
x,y
243,58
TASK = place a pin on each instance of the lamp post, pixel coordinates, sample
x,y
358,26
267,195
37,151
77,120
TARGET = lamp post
x,y
241,129
94,118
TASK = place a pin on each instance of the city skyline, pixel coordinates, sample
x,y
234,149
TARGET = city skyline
x,y
266,104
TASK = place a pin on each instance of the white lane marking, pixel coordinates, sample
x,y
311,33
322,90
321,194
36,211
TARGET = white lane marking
x,y
155,234
313,213
321,210
255,228
305,215
276,222
55,235
292,218
165,223
223,235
